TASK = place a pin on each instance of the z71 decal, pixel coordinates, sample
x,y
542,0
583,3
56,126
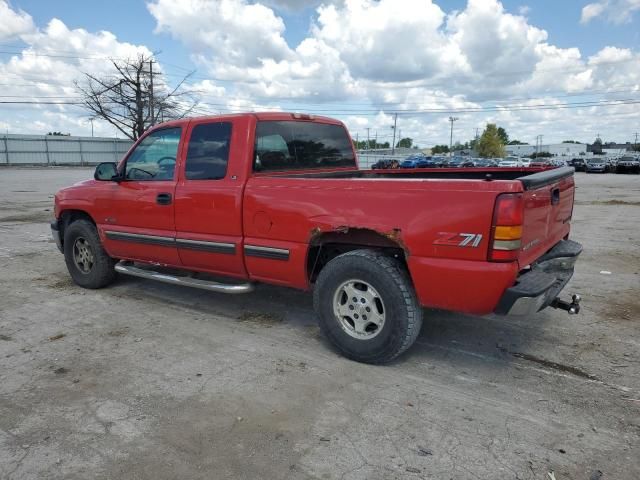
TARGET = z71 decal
x,y
459,239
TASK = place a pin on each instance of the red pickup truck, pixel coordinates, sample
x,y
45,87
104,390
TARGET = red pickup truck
x,y
278,198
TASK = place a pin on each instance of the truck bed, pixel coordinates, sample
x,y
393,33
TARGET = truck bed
x,y
530,177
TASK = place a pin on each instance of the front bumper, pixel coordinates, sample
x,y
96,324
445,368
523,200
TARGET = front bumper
x,y
540,286
55,233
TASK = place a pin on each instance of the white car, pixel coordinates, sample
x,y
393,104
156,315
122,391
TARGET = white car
x,y
507,162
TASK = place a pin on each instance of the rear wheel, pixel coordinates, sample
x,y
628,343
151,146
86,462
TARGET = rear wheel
x,y
367,306
87,261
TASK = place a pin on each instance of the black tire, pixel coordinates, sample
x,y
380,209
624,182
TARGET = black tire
x,y
99,272
389,279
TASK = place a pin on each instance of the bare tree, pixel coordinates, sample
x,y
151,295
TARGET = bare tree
x,y
134,97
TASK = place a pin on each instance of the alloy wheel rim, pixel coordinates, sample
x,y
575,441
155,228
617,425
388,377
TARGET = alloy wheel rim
x,y
83,257
359,309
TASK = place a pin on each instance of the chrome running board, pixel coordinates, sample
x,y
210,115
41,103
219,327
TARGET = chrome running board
x,y
128,268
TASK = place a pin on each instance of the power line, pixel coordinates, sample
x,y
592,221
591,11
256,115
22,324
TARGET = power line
x,y
500,108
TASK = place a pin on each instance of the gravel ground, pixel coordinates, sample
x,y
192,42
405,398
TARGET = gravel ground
x,y
149,381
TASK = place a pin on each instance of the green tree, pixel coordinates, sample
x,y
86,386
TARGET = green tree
x,y
440,149
570,141
490,144
502,133
404,143
597,146
540,155
362,144
517,142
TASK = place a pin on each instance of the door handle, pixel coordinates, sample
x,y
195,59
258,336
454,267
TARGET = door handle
x,y
163,199
555,196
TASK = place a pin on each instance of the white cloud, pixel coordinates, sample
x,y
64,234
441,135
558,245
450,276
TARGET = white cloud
x,y
524,10
613,11
227,31
296,5
389,40
45,70
13,23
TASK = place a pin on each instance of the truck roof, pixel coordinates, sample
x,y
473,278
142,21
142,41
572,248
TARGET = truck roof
x,y
273,116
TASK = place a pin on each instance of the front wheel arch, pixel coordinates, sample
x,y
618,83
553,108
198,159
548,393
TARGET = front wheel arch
x,y
67,217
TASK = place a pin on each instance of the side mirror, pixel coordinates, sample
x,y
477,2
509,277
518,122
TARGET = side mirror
x,y
106,171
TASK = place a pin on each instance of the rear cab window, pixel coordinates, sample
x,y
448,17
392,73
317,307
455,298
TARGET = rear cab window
x,y
297,145
208,151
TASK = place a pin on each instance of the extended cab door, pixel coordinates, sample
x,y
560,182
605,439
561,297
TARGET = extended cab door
x,y
209,197
138,212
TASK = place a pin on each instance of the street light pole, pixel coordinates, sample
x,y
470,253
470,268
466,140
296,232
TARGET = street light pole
x,y
395,124
451,119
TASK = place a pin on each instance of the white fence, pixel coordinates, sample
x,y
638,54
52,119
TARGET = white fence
x,y
60,150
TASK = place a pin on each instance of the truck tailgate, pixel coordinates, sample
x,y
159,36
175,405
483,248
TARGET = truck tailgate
x,y
548,206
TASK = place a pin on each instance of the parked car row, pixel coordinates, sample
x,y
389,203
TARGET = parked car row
x,y
423,161
627,164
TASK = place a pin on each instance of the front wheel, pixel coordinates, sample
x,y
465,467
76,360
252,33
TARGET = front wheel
x,y
367,306
87,261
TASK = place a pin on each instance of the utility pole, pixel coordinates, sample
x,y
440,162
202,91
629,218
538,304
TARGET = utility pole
x,y
368,141
376,141
357,143
91,120
635,144
151,109
395,124
538,144
451,119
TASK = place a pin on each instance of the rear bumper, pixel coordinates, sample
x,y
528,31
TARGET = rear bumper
x,y
55,233
540,286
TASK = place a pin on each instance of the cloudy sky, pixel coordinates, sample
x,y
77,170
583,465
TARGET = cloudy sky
x,y
564,69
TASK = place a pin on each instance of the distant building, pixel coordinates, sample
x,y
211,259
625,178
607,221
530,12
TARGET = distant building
x,y
555,149
610,146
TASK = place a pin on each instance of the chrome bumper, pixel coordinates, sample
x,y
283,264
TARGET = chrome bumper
x,y
539,287
55,233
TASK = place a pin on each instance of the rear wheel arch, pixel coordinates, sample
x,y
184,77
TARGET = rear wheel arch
x,y
326,246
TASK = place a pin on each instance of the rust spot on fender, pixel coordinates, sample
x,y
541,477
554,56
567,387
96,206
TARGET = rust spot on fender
x,y
315,231
395,235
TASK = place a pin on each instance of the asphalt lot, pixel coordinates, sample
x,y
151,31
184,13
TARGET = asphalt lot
x,y
148,381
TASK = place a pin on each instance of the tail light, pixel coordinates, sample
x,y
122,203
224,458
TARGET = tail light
x,y
506,229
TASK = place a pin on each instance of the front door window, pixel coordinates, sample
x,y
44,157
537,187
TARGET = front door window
x,y
154,158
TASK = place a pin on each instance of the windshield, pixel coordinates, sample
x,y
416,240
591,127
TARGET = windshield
x,y
288,145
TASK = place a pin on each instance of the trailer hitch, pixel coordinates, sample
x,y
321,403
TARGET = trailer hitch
x,y
572,308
